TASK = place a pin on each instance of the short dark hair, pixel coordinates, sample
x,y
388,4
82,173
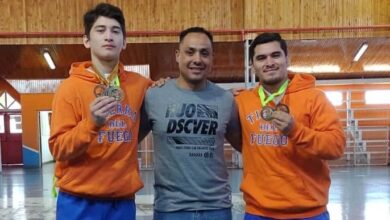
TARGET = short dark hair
x,y
266,38
105,10
195,30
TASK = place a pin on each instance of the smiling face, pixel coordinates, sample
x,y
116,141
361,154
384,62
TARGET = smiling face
x,y
194,57
270,64
105,40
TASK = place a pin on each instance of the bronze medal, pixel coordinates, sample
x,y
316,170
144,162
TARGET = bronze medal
x,y
100,90
283,108
266,113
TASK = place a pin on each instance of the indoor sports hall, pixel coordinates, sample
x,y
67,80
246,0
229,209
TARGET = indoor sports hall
x,y
344,44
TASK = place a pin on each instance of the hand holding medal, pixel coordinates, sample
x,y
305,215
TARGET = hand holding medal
x,y
280,115
267,111
112,91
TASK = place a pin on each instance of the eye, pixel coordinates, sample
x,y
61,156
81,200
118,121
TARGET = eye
x,y
260,57
205,53
116,31
189,52
276,55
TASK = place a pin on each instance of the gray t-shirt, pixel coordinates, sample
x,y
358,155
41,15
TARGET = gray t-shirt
x,y
188,135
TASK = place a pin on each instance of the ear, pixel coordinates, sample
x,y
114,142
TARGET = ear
x,y
252,69
177,53
86,41
124,44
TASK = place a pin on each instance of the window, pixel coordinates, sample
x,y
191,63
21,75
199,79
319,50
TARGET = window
x,y
141,69
377,97
2,129
2,101
8,102
15,124
336,98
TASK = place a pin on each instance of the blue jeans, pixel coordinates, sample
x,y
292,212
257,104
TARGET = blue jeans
x,y
70,207
218,214
323,216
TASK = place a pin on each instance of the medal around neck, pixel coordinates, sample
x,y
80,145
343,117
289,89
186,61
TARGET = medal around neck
x,y
266,113
109,86
111,91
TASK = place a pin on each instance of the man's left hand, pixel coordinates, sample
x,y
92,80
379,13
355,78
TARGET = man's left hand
x,y
283,121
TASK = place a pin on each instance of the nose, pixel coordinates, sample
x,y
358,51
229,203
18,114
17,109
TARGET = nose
x,y
108,36
269,61
197,58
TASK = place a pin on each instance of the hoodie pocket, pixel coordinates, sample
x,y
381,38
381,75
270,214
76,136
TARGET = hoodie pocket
x,y
276,192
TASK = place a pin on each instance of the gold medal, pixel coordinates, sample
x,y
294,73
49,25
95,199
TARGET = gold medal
x,y
115,92
111,91
266,113
110,86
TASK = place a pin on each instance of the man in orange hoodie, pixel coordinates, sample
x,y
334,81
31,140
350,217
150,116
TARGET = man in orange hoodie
x,y
95,126
289,130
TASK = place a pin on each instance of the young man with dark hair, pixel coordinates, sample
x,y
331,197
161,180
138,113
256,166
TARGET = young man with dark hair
x,y
95,126
290,130
190,117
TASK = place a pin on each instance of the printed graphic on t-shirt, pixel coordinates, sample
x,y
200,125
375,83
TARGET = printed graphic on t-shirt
x,y
264,133
117,129
192,127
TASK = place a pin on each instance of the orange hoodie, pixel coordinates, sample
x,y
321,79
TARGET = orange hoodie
x,y
287,177
92,161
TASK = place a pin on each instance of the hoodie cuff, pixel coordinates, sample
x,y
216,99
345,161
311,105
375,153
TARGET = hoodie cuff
x,y
91,126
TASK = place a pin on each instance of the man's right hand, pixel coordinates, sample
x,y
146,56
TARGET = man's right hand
x,y
100,109
236,91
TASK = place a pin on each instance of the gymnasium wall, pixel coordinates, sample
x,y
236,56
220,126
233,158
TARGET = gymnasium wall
x,y
61,16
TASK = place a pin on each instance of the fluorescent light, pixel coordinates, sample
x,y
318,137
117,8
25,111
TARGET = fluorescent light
x,y
49,60
315,69
326,69
377,67
360,52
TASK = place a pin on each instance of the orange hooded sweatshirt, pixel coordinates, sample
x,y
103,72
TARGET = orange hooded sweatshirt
x,y
92,161
287,177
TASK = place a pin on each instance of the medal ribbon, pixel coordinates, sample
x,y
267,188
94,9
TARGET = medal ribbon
x,y
112,79
280,91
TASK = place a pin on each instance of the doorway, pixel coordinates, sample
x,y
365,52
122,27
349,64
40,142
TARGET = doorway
x,y
44,128
10,130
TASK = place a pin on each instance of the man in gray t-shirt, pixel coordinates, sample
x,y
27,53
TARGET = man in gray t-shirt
x,y
190,117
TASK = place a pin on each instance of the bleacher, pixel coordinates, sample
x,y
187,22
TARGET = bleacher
x,y
367,131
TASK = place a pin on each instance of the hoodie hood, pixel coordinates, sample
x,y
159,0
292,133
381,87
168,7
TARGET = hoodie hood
x,y
299,82
83,70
